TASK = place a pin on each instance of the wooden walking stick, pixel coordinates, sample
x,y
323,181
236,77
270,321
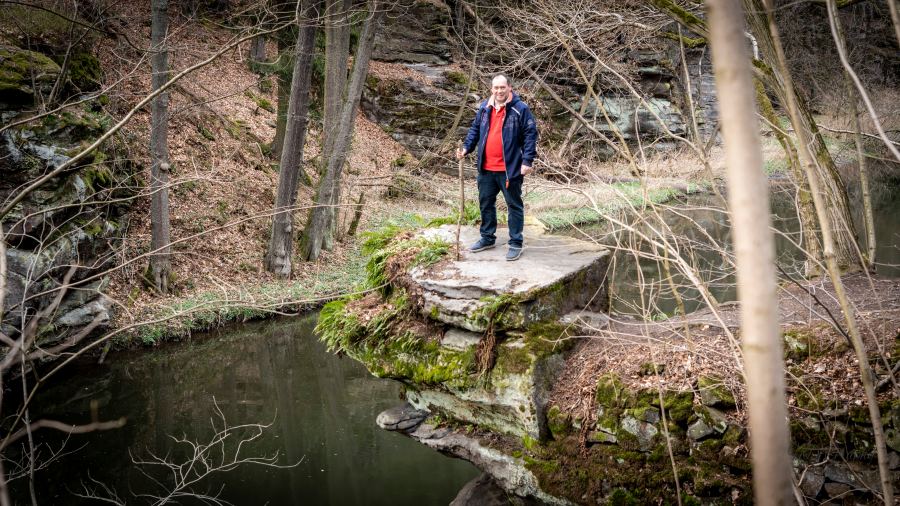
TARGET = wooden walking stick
x,y
462,199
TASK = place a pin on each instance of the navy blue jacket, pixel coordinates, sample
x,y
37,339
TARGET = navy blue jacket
x,y
519,136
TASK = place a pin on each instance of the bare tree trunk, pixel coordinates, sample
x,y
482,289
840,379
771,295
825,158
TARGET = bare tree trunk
x,y
868,218
258,49
755,253
895,17
835,193
160,261
357,215
320,216
283,78
808,222
278,257
337,49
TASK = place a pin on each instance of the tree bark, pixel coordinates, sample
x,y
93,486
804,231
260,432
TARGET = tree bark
x,y
754,248
278,257
321,215
258,49
160,266
835,193
283,78
868,218
337,49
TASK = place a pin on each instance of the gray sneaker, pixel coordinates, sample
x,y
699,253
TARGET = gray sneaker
x,y
481,245
513,253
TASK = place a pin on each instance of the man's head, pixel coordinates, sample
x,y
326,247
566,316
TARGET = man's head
x,y
500,89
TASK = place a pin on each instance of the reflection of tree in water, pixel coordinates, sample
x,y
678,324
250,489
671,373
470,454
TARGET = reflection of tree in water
x,y
324,410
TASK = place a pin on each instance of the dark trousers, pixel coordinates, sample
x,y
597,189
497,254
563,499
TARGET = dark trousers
x,y
489,185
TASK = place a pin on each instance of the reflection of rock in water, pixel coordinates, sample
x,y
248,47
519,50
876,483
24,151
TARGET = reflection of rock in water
x,y
484,491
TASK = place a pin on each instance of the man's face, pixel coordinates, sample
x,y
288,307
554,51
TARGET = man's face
x,y
500,90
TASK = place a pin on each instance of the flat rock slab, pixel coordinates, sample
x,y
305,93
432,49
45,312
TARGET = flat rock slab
x,y
566,272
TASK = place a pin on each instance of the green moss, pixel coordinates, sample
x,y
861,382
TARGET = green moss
x,y
800,344
337,327
679,406
544,466
494,311
84,71
381,248
689,500
261,102
530,443
559,423
716,389
540,340
682,15
431,251
457,77
611,393
19,66
641,413
621,497
591,472
388,352
811,398
689,42
96,176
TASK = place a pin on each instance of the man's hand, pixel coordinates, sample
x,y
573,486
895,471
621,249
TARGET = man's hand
x,y
460,153
526,169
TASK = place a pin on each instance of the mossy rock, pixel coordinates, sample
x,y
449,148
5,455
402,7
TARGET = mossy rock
x,y
602,473
84,71
799,345
540,341
714,393
679,406
386,350
559,423
20,69
611,393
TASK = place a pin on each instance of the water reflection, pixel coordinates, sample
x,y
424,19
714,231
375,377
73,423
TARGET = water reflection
x,y
699,228
323,410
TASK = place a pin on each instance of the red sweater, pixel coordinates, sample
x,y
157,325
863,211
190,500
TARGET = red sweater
x,y
493,148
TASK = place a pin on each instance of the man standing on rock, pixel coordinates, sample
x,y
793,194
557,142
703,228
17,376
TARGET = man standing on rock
x,y
504,137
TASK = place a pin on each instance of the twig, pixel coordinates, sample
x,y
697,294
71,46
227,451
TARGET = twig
x,y
62,427
462,200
